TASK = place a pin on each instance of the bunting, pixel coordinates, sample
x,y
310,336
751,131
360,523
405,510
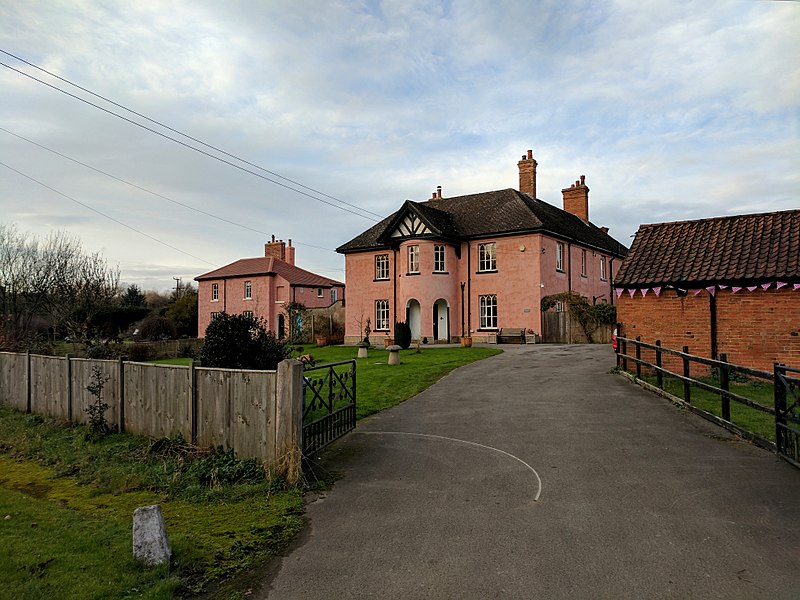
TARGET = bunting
x,y
711,289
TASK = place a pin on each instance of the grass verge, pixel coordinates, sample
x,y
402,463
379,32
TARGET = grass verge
x,y
66,503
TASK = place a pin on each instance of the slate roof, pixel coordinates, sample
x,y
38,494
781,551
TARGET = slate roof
x,y
268,265
745,248
489,214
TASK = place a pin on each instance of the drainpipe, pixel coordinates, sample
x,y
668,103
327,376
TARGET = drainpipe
x,y
569,267
224,295
462,308
611,293
712,313
469,289
394,292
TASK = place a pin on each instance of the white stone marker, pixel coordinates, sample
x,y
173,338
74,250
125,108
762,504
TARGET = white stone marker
x,y
150,543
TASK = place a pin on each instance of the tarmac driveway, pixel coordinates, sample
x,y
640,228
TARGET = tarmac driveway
x,y
636,499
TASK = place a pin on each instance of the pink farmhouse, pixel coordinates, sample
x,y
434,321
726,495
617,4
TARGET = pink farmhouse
x,y
472,265
262,286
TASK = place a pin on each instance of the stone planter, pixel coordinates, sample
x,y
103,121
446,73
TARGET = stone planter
x,y
466,341
531,338
322,340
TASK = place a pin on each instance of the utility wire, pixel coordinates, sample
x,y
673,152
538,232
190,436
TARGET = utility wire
x,y
200,150
186,135
138,187
147,235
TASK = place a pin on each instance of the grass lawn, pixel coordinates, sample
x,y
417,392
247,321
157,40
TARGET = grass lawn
x,y
66,503
759,422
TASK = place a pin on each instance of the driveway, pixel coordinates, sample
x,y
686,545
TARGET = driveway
x,y
537,474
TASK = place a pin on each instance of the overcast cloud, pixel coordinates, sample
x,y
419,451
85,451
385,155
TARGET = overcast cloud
x,y
672,110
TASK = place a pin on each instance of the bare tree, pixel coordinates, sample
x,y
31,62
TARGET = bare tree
x,y
49,280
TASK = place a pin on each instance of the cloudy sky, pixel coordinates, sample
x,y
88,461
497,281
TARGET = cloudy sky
x,y
673,110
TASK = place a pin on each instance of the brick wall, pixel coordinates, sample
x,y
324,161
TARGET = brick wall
x,y
754,329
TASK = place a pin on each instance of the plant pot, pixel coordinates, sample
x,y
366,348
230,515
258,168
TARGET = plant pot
x,y
466,341
531,338
322,341
388,342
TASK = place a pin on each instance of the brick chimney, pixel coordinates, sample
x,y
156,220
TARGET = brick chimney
x,y
278,249
576,199
527,174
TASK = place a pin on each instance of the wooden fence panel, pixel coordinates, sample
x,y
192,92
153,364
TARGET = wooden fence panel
x,y
13,385
158,400
81,398
49,394
253,419
213,407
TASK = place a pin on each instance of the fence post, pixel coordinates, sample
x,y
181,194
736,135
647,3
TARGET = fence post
x,y
193,394
624,354
289,419
28,381
659,374
121,393
687,387
69,387
724,384
780,407
638,357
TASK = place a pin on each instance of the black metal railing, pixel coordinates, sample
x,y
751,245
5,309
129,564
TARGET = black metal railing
x,y
786,408
329,404
787,413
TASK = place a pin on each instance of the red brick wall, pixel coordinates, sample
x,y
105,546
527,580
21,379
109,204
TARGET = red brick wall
x,y
755,329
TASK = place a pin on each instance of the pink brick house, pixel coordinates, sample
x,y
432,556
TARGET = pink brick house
x,y
472,265
263,286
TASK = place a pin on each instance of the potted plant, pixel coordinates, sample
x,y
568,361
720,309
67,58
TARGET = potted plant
x,y
388,341
466,341
531,337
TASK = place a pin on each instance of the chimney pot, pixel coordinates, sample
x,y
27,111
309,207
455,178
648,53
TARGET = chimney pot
x,y
530,154
604,229
583,179
438,191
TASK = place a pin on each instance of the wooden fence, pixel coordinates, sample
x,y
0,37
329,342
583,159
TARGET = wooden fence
x,y
562,328
256,413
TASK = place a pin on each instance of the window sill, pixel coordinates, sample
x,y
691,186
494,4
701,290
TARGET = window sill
x,y
385,279
412,273
440,273
560,271
489,330
485,272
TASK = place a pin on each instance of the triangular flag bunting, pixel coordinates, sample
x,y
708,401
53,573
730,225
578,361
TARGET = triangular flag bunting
x,y
723,287
644,292
765,286
752,288
711,290
695,292
780,284
735,289
797,286
657,291
618,291
631,292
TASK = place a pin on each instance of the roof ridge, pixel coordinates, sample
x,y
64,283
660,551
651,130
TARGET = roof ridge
x,y
720,218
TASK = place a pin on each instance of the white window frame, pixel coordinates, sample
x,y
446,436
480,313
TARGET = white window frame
x,y
603,274
488,306
487,257
439,254
381,266
560,256
215,315
320,293
248,290
583,263
413,259
214,292
333,295
381,315
247,313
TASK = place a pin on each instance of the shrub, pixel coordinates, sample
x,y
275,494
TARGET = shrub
x,y
98,426
241,342
402,335
155,328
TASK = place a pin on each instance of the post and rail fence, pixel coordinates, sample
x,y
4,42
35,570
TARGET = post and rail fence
x,y
785,381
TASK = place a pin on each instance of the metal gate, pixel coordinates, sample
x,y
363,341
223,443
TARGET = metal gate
x,y
329,404
787,413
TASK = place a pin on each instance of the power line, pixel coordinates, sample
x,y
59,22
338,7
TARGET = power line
x,y
138,187
199,150
147,235
186,135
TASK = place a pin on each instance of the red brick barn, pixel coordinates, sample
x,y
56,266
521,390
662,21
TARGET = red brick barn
x,y
724,285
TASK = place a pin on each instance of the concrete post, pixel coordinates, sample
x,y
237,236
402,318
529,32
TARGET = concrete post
x,y
289,420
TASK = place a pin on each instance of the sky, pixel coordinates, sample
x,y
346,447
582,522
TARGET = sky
x,y
672,110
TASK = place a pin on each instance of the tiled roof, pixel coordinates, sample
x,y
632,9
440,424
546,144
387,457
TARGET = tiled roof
x,y
489,214
745,248
268,265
